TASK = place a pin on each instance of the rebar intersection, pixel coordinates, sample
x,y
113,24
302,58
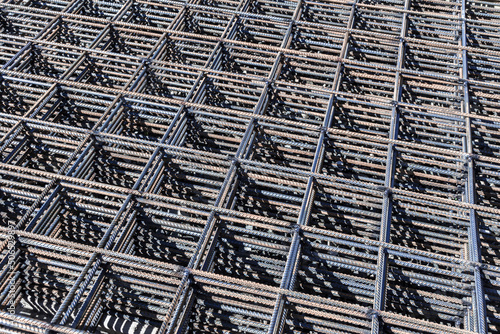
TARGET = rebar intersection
x,y
252,166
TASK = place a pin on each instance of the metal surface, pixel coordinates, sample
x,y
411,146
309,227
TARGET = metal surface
x,y
250,166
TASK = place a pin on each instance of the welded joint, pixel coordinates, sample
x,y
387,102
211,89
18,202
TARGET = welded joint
x,y
267,82
386,191
464,82
372,314
234,161
186,272
476,266
472,156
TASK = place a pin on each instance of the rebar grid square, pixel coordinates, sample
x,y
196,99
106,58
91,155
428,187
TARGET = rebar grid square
x,y
336,269
414,225
253,166
21,97
81,212
269,194
160,79
366,81
279,9
304,71
18,196
236,308
248,250
283,145
105,71
36,147
306,316
190,177
339,208
98,9
386,19
113,162
141,119
84,109
73,32
49,62
432,60
432,174
327,14
430,28
165,231
42,278
145,297
422,125
344,159
157,14
297,103
23,22
125,41
417,287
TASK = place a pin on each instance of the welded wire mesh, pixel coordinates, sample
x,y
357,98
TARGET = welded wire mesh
x,y
250,166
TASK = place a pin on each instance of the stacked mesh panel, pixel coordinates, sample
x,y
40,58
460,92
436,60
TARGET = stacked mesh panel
x,y
250,166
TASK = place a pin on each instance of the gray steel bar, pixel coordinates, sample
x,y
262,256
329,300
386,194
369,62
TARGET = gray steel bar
x,y
480,323
385,228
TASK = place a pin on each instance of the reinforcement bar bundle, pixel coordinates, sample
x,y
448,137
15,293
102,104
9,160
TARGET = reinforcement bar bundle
x,y
250,166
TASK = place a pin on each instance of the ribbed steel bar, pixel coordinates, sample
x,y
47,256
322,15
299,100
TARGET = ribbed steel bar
x,y
392,155
212,231
480,324
292,265
221,166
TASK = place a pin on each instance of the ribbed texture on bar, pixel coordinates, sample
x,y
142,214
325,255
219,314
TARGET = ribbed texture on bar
x,y
250,166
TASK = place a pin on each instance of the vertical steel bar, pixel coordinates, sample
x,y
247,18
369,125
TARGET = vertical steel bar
x,y
385,224
470,189
291,267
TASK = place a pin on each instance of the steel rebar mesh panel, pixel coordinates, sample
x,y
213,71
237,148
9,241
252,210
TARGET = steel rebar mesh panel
x,y
250,166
